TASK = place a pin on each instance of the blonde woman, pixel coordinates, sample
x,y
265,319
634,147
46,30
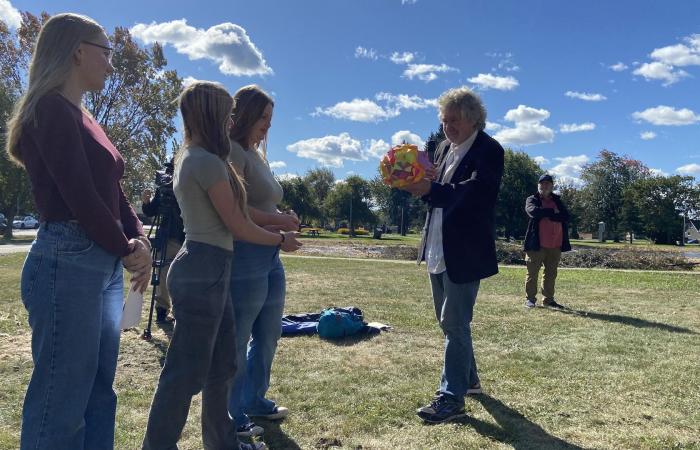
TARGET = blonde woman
x,y
72,282
257,278
212,200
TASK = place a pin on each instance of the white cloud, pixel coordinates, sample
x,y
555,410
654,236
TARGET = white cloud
x,y
680,54
589,97
576,127
526,114
404,101
378,148
660,71
277,165
406,136
402,58
10,15
619,67
528,129
541,160
330,150
658,173
505,62
493,126
689,169
409,2
357,110
667,115
366,110
647,135
189,80
568,169
490,81
287,176
227,44
367,53
426,72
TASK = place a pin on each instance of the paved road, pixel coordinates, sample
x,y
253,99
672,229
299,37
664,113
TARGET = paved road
x,y
18,248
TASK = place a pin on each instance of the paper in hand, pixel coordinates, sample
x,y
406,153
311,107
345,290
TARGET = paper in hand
x,y
131,315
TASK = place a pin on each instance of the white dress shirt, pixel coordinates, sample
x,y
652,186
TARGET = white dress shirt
x,y
434,256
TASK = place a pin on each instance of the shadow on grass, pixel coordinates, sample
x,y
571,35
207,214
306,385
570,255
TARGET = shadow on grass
x,y
16,241
625,320
513,428
275,437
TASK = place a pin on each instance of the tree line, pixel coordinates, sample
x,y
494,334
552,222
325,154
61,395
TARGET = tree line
x,y
137,110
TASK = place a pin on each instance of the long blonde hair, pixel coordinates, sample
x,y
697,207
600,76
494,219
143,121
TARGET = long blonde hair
x,y
206,108
51,65
249,103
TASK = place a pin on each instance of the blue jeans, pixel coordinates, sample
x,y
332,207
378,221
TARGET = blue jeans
x,y
73,291
199,358
257,291
454,308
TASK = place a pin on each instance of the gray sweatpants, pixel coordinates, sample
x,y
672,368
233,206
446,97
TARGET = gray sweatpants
x,y
201,356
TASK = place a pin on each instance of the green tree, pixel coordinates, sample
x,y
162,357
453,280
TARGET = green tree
x,y
137,109
351,200
320,181
655,204
571,197
15,52
298,197
605,181
520,175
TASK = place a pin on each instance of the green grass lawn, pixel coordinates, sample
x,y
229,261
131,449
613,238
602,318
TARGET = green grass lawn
x,y
618,370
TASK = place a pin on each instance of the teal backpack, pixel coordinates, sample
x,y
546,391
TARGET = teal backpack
x,y
339,322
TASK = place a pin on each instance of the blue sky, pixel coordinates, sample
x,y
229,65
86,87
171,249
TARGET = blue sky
x,y
560,80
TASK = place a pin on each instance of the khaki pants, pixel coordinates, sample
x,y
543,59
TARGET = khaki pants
x,y
549,257
162,294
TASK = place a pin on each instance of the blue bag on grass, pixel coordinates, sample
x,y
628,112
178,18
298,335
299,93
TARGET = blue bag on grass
x,y
336,323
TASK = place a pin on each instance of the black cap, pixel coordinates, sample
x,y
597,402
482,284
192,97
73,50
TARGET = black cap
x,y
546,177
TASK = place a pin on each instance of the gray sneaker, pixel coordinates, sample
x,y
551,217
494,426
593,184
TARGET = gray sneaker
x,y
475,389
530,303
249,430
253,446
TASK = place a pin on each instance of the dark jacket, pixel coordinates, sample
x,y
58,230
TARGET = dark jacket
x,y
176,230
468,202
534,210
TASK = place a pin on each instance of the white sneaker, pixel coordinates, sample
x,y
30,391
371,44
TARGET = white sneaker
x,y
280,412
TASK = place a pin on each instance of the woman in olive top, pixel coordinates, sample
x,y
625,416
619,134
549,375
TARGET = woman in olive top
x,y
212,200
257,277
72,283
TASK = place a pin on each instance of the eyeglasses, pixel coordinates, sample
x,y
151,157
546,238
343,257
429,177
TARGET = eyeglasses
x,y
110,50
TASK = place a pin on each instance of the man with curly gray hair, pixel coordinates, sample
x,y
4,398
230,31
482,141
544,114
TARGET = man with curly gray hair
x,y
459,239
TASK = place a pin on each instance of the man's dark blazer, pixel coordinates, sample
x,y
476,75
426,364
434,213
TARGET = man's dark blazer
x,y
468,202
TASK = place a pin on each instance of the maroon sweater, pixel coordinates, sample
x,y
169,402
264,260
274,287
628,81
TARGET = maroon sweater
x,y
75,171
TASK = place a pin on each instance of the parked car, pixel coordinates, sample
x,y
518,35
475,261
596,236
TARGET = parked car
x,y
3,225
26,222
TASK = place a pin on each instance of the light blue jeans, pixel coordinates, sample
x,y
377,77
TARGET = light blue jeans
x,y
73,292
257,292
454,308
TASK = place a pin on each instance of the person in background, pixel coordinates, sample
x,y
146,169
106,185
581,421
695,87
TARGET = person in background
x,y
546,238
459,240
212,199
170,229
72,279
257,276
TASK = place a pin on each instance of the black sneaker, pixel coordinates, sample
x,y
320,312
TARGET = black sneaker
x,y
475,389
253,446
162,315
552,304
443,408
530,303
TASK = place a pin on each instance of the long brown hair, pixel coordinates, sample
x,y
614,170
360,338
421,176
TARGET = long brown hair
x,y
249,103
52,61
206,108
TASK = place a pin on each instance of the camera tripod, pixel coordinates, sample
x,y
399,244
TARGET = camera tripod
x,y
159,249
